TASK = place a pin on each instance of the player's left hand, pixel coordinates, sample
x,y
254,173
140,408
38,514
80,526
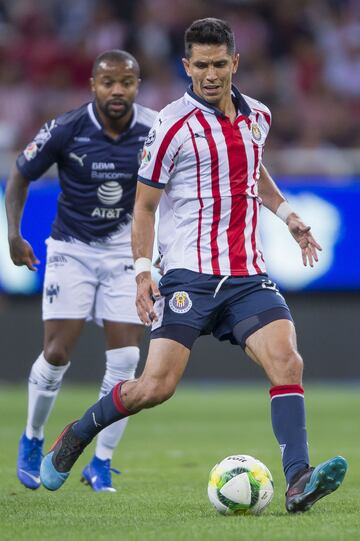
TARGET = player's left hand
x,y
303,236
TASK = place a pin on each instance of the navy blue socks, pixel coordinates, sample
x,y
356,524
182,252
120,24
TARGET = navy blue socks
x,y
102,414
289,426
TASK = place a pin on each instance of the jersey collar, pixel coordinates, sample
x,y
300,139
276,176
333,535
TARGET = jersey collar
x,y
94,116
239,101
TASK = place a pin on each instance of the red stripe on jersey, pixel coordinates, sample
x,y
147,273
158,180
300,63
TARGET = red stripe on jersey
x,y
238,173
215,188
199,196
286,389
253,235
165,145
266,116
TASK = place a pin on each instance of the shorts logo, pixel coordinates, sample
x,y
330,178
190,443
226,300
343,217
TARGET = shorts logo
x,y
268,284
52,292
180,302
150,138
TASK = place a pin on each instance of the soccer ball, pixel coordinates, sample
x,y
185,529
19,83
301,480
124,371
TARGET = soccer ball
x,y
240,485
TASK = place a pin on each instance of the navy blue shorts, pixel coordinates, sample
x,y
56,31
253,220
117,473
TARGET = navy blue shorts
x,y
230,308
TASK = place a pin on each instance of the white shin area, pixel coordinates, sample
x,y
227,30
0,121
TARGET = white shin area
x,y
43,387
121,365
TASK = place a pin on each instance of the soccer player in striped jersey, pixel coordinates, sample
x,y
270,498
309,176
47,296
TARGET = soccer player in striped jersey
x,y
89,269
202,164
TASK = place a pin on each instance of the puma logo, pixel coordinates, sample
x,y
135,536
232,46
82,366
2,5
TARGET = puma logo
x,y
77,158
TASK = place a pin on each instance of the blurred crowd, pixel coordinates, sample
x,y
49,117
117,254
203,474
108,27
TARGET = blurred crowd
x,y
300,57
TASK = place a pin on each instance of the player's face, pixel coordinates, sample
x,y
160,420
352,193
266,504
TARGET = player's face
x,y
211,68
115,86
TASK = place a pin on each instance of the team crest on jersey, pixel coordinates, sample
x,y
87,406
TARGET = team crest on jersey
x,y
150,138
146,156
255,131
180,302
30,151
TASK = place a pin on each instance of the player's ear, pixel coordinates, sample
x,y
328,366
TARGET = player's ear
x,y
92,84
235,62
186,65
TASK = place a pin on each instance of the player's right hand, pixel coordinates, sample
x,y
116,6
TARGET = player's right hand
x,y
21,253
147,290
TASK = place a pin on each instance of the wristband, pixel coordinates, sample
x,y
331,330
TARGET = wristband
x,y
142,264
284,210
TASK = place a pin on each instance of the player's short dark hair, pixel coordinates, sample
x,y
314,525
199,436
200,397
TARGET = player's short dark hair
x,y
209,31
115,56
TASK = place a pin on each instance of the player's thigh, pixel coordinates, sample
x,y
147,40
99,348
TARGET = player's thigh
x,y
116,294
69,283
274,348
119,335
60,337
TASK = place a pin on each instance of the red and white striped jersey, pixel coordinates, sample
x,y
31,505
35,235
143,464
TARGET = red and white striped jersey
x,y
209,168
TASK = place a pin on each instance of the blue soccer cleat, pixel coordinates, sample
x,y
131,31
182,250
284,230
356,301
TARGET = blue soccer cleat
x,y
311,484
97,475
56,465
29,460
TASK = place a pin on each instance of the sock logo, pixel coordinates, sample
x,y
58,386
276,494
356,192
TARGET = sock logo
x,y
282,449
98,425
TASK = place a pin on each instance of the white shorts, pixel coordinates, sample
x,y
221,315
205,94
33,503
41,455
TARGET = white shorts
x,y
89,282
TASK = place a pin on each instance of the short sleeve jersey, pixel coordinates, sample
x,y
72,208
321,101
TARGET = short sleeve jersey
x,y
209,170
97,173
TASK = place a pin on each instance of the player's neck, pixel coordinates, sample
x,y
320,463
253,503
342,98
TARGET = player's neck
x,y
115,127
227,107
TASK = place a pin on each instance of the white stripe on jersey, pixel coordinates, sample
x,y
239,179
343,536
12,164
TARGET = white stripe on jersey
x,y
209,211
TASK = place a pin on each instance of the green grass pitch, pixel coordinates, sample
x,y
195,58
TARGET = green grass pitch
x,y
165,459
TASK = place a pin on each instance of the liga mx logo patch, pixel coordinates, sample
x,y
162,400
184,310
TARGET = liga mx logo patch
x,y
180,302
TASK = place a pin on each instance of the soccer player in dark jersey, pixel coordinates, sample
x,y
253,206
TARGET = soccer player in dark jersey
x,y
89,267
202,164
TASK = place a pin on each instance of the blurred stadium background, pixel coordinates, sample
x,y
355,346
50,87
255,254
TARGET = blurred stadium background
x,y
300,57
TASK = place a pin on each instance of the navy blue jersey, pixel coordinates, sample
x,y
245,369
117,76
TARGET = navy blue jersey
x,y
97,173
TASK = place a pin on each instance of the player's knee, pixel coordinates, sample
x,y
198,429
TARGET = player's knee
x,y
56,354
158,392
290,363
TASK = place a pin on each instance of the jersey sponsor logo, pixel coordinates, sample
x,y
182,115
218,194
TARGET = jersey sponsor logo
x,y
30,151
103,166
52,292
108,214
146,156
79,159
109,175
110,193
180,302
150,138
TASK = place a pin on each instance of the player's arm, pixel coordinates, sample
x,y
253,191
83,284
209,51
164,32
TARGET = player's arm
x,y
16,193
142,239
274,200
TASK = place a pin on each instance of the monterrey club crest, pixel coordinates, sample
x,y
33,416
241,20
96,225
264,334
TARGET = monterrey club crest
x,y
180,302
